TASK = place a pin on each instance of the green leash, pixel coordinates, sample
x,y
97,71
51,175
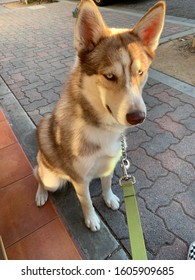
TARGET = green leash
x,y
127,182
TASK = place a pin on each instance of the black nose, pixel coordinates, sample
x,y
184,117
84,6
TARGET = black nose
x,y
135,117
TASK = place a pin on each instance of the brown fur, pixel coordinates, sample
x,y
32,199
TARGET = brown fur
x,y
79,141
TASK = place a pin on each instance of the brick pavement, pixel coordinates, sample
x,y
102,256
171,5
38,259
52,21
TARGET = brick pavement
x,y
36,54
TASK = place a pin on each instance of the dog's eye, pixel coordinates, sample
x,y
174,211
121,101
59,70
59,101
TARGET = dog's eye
x,y
110,77
140,72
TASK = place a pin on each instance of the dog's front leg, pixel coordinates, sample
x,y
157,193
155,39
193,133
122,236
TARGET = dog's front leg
x,y
91,219
111,200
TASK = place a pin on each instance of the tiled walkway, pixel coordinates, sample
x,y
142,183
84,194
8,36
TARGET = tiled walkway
x,y
28,232
35,59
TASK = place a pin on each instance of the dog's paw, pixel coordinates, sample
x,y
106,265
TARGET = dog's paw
x,y
112,201
41,196
92,221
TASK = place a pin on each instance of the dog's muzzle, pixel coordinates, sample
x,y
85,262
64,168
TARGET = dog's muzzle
x,y
135,117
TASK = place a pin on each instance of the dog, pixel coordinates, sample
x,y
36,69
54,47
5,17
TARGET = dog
x,y
80,140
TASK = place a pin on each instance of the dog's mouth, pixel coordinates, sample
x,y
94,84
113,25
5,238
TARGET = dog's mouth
x,y
108,108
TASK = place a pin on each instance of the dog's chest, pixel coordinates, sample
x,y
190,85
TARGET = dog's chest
x,y
102,162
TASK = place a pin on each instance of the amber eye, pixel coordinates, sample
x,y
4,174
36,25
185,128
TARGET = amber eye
x,y
110,77
140,72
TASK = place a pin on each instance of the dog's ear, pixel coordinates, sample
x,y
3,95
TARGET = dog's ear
x,y
150,27
89,28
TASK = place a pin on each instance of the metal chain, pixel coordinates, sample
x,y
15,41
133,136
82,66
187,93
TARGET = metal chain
x,y
125,164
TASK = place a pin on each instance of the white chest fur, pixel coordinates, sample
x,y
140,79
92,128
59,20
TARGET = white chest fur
x,y
102,162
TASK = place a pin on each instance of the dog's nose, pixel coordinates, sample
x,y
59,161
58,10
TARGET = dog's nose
x,y
135,117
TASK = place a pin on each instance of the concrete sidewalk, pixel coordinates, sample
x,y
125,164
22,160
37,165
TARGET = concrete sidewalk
x,y
36,54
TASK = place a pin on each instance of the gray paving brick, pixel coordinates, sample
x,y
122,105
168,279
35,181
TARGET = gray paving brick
x,y
142,182
185,147
191,159
159,143
115,219
134,140
151,128
155,233
35,116
162,192
32,85
159,111
35,104
24,101
156,89
181,113
119,255
178,222
150,100
46,109
50,95
189,123
177,129
173,163
48,86
187,99
176,251
33,55
152,167
187,199
166,98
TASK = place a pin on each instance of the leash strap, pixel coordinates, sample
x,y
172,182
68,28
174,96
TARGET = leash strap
x,y
137,242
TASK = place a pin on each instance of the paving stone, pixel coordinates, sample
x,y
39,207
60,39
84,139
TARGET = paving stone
x,y
173,163
187,199
178,130
31,77
48,86
159,111
151,82
162,191
32,86
3,88
150,100
33,95
115,219
178,222
119,255
142,181
50,95
125,243
156,89
181,113
95,188
191,159
37,56
187,99
152,167
159,143
35,116
151,128
96,245
35,104
185,147
46,109
134,140
189,123
166,98
24,101
155,233
176,251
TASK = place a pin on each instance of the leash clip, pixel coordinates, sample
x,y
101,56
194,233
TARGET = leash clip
x,y
130,178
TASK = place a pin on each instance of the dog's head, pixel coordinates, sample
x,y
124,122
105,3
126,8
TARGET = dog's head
x,y
117,60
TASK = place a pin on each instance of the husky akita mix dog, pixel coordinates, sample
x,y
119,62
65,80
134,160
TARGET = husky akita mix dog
x,y
80,140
